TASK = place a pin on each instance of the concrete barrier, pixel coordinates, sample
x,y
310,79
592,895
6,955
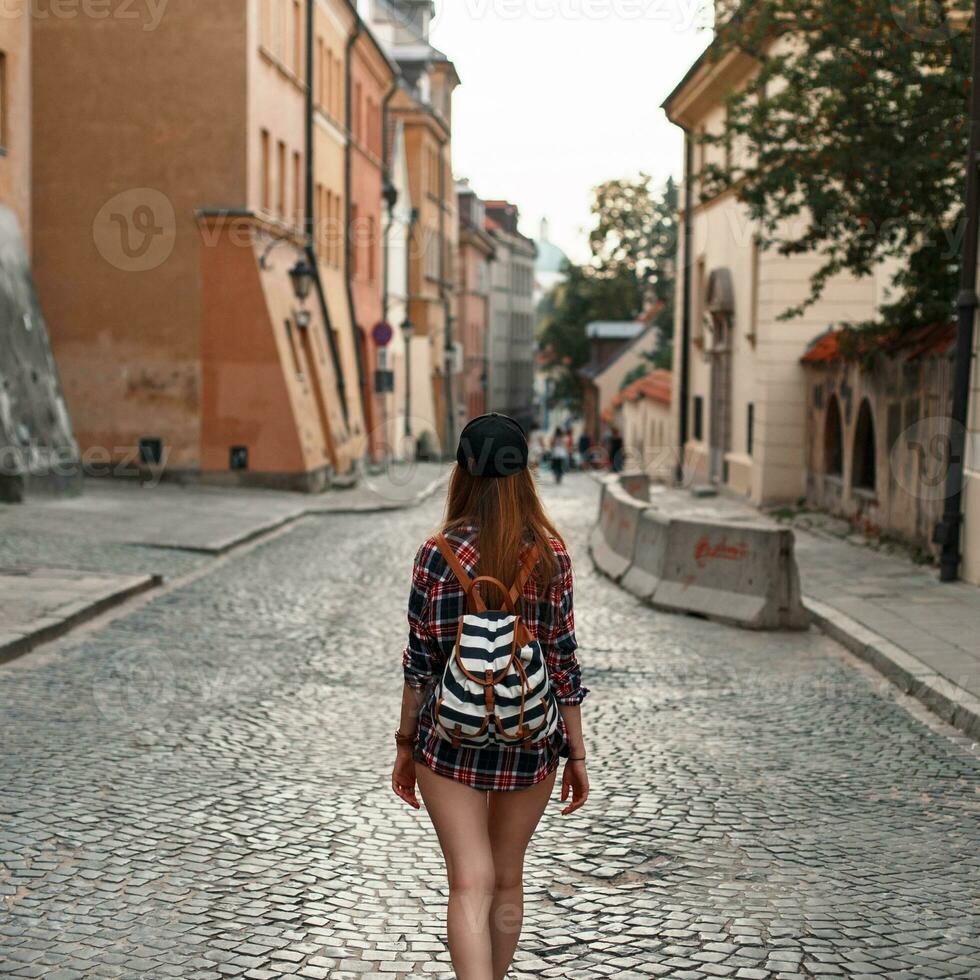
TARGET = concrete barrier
x,y
636,484
613,538
734,573
742,573
649,553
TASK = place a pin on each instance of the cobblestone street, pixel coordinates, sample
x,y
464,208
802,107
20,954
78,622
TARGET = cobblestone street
x,y
199,788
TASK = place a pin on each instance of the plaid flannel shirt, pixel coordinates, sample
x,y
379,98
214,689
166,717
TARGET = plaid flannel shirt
x,y
435,605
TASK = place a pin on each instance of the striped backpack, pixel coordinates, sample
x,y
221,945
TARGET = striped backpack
x,y
494,691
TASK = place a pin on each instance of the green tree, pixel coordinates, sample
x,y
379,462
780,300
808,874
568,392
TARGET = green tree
x,y
584,296
632,268
636,231
849,142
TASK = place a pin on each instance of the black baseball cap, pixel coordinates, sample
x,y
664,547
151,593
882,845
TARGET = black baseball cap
x,y
492,445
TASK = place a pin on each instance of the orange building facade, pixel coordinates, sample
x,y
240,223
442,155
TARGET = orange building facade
x,y
423,105
164,255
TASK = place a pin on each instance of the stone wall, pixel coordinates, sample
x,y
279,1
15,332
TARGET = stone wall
x,y
38,452
877,440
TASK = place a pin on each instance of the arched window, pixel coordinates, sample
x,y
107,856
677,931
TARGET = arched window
x,y
863,472
833,439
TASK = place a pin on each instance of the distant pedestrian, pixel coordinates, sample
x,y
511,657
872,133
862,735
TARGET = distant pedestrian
x,y
483,749
559,454
615,450
584,448
537,447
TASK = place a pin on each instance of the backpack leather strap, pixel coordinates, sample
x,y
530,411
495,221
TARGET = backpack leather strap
x,y
527,567
461,574
467,582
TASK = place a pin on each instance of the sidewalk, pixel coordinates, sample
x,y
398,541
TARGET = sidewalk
x,y
66,560
922,634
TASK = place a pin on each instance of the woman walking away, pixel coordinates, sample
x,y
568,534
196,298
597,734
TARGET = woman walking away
x,y
559,454
492,695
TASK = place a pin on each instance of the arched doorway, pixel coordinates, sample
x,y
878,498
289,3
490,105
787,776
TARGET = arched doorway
x,y
833,439
864,462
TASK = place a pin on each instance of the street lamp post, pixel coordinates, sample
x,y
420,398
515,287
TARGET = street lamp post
x,y
948,531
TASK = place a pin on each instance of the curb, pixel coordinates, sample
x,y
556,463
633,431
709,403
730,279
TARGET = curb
x,y
24,643
951,702
418,498
308,511
12,649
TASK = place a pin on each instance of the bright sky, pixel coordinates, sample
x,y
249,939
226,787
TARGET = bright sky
x,y
559,95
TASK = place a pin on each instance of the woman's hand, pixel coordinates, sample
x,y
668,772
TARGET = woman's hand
x,y
403,777
574,780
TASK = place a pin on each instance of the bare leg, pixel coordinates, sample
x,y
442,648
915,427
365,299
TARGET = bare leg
x,y
513,817
459,815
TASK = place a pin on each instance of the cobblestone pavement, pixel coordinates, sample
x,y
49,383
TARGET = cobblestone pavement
x,y
199,789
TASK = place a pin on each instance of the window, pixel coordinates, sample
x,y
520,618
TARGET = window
x,y
323,223
698,302
266,175
833,439
319,80
750,428
698,427
281,180
298,188
298,38
355,240
4,135
265,24
371,248
279,15
864,462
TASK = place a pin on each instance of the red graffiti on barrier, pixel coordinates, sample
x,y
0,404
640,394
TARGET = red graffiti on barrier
x,y
705,551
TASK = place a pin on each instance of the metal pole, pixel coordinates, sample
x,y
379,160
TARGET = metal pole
x,y
408,386
948,531
684,395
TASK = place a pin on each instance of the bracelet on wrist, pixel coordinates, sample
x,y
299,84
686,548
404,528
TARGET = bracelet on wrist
x,y
406,740
576,758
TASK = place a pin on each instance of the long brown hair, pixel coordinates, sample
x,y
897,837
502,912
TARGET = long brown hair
x,y
508,516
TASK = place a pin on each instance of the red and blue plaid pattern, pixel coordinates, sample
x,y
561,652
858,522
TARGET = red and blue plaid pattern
x,y
435,605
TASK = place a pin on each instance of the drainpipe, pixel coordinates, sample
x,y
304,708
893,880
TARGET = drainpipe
x,y
348,236
684,395
444,291
947,532
309,218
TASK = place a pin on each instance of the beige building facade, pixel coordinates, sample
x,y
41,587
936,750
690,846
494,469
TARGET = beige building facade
x,y
746,405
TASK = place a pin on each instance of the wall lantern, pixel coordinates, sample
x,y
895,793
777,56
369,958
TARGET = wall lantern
x,y
390,195
302,278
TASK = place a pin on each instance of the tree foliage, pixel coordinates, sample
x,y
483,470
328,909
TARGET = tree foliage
x,y
632,268
849,141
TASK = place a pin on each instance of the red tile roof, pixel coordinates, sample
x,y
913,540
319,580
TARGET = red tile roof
x,y
656,386
932,341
